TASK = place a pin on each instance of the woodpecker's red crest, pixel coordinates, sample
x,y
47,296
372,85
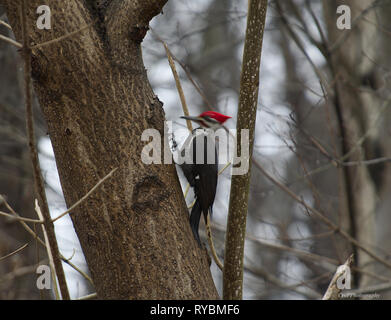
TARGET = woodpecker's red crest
x,y
209,119
215,115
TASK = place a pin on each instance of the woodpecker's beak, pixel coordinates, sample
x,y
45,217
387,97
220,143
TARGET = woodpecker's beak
x,y
192,118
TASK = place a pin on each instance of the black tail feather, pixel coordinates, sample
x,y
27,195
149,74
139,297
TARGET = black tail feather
x,y
195,217
210,211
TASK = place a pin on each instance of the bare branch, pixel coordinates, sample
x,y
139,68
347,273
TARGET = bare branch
x,y
365,162
5,24
89,296
19,218
66,36
48,249
14,252
177,81
9,40
309,293
342,38
19,272
324,219
211,245
86,195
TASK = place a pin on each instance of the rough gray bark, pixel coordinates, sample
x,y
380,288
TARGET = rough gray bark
x,y
96,99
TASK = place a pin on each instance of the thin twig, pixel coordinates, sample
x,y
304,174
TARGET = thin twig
x,y
344,35
42,243
386,104
9,40
184,67
89,296
20,272
48,249
186,190
300,45
86,195
72,255
82,273
5,24
177,82
370,289
317,23
365,162
14,252
196,86
68,35
5,214
325,262
323,218
309,293
211,245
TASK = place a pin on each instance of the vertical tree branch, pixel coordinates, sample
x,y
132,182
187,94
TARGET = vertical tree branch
x,y
248,101
38,180
178,85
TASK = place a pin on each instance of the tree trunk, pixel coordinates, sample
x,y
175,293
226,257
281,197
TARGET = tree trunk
x,y
97,101
356,107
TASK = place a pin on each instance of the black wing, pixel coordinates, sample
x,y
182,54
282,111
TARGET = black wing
x,y
205,182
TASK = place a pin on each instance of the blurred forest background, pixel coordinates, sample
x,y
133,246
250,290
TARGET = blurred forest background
x,y
323,138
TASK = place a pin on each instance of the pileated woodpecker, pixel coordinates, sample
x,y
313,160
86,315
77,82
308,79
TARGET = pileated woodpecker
x,y
201,175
